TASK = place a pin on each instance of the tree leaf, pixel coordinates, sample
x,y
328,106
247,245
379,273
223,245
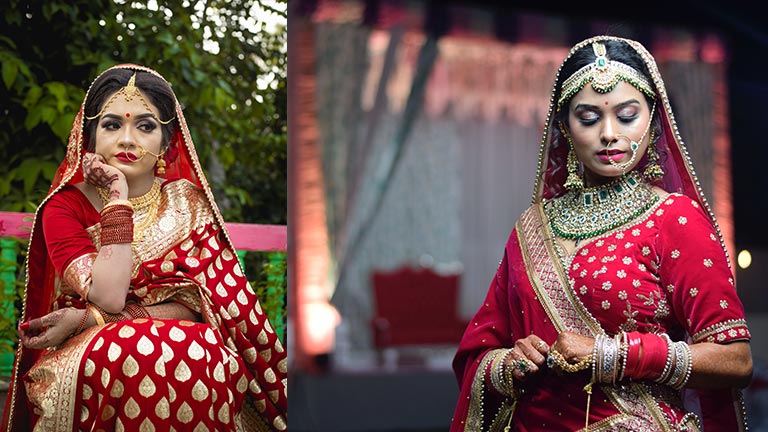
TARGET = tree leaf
x,y
32,96
10,70
28,171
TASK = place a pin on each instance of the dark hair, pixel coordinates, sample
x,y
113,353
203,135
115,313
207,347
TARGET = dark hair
x,y
155,88
616,50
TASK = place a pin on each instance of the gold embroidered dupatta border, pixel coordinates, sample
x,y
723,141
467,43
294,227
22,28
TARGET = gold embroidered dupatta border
x,y
637,408
58,397
475,410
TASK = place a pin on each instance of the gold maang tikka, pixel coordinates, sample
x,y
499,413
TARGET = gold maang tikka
x,y
603,74
129,91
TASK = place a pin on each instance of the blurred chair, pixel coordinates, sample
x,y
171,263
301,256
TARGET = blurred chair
x,y
415,310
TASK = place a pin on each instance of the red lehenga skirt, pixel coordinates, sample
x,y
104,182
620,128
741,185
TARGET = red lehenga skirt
x,y
140,375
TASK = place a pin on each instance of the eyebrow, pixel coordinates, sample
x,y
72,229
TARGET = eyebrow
x,y
619,105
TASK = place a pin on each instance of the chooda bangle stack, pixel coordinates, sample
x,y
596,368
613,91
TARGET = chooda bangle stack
x,y
116,224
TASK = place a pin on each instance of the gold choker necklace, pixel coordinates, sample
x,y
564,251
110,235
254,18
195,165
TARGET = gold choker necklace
x,y
594,211
139,202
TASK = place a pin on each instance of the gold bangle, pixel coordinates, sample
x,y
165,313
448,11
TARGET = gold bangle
x,y
124,202
97,315
557,359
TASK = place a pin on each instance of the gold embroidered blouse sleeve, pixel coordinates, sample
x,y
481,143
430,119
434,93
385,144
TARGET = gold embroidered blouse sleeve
x,y
77,275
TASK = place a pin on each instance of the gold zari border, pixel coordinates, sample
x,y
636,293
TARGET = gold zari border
x,y
52,385
77,275
721,327
550,282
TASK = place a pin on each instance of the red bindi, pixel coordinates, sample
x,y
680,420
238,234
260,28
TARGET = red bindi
x,y
606,102
128,115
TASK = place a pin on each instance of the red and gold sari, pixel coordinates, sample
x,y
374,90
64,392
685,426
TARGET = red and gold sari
x,y
666,271
228,372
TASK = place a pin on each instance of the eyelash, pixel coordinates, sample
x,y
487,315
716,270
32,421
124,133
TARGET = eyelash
x,y
146,127
623,119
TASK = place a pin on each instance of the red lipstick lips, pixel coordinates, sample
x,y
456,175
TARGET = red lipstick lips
x,y
126,157
610,154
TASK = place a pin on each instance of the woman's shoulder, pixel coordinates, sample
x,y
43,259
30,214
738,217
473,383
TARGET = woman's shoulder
x,y
677,204
68,196
187,197
182,189
680,214
528,216
69,201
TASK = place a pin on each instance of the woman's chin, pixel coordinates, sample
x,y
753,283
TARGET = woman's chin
x,y
602,175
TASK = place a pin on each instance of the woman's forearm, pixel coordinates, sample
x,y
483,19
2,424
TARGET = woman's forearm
x,y
168,310
111,276
719,366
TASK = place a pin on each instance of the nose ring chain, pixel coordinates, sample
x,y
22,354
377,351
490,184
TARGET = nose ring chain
x,y
633,145
143,152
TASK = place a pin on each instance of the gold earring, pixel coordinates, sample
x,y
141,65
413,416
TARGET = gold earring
x,y
653,170
573,182
161,164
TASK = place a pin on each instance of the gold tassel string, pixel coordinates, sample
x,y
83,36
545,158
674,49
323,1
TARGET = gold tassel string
x,y
512,414
588,389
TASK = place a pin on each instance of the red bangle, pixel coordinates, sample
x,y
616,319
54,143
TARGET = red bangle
x,y
634,350
136,310
116,235
653,356
83,320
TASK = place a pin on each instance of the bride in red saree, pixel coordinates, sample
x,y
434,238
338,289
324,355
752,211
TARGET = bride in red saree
x,y
137,314
613,307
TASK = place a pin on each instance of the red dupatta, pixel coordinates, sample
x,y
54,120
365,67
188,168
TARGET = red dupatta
x,y
249,334
480,409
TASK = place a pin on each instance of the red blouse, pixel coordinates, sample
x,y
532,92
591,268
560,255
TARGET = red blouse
x,y
66,216
668,273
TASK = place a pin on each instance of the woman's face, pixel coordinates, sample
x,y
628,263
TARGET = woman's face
x,y
124,129
601,126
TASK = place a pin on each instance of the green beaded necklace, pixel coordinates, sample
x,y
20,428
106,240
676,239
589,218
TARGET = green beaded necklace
x,y
587,213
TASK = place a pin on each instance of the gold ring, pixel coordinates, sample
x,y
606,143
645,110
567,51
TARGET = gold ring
x,y
540,344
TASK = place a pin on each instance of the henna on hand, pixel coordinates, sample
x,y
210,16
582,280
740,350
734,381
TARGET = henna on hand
x,y
47,331
53,317
97,173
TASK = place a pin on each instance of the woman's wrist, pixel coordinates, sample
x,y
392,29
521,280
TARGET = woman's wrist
x,y
86,319
118,191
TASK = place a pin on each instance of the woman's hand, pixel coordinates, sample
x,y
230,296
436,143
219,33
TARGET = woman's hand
x,y
528,356
50,330
98,173
574,347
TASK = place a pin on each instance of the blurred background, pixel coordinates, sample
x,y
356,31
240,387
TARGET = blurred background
x,y
413,141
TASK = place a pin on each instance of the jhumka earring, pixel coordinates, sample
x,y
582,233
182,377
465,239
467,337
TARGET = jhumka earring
x,y
653,170
573,182
161,164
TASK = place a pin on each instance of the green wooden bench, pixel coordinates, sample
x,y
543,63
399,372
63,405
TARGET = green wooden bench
x,y
271,239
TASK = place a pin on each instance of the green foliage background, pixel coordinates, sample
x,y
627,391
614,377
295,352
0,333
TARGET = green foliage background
x,y
51,50
234,94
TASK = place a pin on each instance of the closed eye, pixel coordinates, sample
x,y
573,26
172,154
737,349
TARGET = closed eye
x,y
628,119
588,118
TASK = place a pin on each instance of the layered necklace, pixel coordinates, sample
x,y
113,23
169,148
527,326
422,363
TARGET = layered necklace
x,y
144,209
590,212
